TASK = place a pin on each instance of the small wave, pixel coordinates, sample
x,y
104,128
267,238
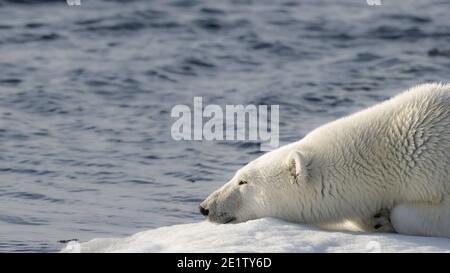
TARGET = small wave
x,y
31,37
22,221
196,176
199,62
32,196
29,1
439,52
10,81
409,18
212,11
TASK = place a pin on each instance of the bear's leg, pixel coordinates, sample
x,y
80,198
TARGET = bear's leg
x,y
380,222
422,219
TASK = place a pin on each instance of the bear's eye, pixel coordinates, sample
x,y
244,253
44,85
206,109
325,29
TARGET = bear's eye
x,y
242,182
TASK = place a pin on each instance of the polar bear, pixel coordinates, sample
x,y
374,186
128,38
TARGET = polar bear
x,y
386,168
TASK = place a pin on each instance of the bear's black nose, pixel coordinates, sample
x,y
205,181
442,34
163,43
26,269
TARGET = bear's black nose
x,y
203,211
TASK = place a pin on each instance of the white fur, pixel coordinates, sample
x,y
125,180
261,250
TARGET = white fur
x,y
393,154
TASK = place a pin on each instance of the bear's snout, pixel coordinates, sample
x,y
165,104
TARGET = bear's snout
x,y
220,206
203,211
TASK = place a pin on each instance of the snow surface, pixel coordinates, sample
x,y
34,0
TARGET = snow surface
x,y
262,235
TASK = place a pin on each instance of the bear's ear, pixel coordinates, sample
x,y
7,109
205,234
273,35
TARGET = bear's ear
x,y
298,166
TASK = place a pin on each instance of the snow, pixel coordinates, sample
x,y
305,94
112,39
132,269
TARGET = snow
x,y
262,235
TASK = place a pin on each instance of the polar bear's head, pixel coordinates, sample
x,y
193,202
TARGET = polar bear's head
x,y
265,187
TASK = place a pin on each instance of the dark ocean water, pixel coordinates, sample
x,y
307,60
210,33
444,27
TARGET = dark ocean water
x,y
86,94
